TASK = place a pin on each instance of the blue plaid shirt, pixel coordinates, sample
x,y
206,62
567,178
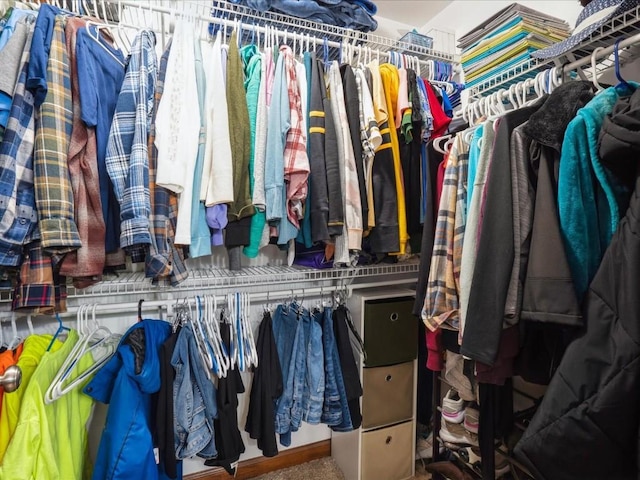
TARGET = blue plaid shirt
x,y
127,155
18,216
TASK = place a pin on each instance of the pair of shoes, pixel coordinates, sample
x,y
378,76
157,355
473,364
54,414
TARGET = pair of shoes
x,y
424,447
455,410
453,407
457,435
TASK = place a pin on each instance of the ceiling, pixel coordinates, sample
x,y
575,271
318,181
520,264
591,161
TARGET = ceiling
x,y
415,13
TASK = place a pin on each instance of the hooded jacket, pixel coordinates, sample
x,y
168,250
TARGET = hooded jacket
x,y
587,426
127,383
589,198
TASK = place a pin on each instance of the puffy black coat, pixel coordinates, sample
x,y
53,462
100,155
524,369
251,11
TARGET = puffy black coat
x,y
587,426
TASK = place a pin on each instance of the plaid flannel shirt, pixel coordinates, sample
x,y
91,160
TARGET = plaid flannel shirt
x,y
40,290
127,155
296,161
86,263
442,303
18,216
164,258
54,196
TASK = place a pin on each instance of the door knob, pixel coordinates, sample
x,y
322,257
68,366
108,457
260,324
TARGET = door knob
x,y
11,379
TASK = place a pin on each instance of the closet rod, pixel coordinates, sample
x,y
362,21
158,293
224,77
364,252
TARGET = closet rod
x,y
272,297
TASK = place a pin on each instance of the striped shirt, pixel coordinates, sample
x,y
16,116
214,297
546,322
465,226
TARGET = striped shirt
x,y
441,302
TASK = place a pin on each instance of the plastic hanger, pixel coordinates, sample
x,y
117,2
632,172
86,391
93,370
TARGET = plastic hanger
x,y
213,329
437,144
99,342
252,357
616,56
96,37
17,340
61,328
205,354
594,69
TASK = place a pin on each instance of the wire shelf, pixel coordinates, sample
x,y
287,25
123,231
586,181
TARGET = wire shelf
x,y
225,11
622,26
254,279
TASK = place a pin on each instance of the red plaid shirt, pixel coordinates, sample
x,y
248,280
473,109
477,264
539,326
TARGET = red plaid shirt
x,y
296,162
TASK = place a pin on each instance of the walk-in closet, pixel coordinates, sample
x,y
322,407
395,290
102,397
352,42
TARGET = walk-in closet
x,y
319,239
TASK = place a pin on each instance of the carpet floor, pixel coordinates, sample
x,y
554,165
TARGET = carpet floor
x,y
323,469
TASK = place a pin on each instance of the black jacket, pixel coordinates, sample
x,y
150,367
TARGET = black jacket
x,y
492,273
265,389
587,427
549,294
327,212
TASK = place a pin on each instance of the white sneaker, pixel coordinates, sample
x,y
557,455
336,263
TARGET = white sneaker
x,y
453,407
456,434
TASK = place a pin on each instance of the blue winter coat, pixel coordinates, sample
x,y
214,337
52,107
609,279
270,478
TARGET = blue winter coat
x,y
126,446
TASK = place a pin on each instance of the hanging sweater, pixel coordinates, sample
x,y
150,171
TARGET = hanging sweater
x,y
200,239
240,136
323,155
385,237
178,127
217,170
341,254
390,81
255,88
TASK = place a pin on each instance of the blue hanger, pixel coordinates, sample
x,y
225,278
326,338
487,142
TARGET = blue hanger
x,y
325,48
61,328
623,82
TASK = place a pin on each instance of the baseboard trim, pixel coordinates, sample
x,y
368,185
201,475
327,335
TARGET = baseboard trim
x,y
261,465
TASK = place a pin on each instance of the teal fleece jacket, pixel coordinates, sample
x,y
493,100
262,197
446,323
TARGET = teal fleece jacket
x,y
589,198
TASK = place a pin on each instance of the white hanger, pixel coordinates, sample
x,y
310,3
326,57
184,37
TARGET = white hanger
x,y
251,353
213,330
437,144
198,333
17,340
97,39
594,70
99,342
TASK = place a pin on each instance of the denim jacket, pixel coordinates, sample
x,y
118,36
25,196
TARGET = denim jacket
x,y
194,397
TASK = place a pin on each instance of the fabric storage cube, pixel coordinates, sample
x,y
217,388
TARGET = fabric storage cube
x,y
388,395
391,332
387,453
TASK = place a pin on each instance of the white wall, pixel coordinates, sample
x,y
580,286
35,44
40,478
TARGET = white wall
x,y
461,16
